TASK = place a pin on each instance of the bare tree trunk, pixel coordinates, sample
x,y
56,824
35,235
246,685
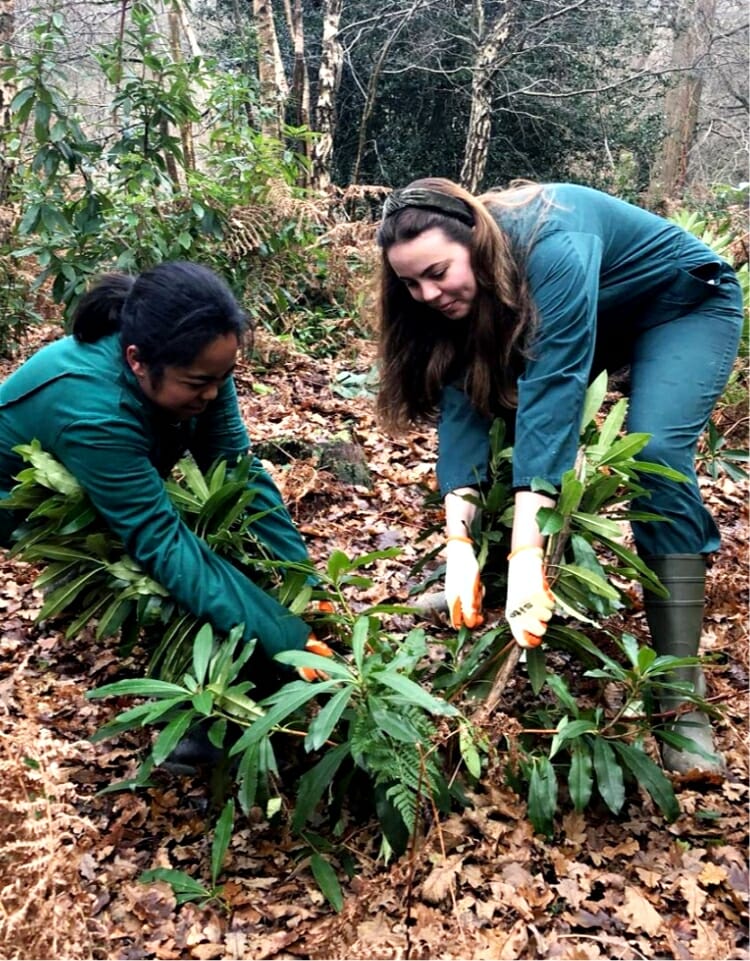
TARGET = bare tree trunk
x,y
7,88
486,64
186,128
682,101
372,87
328,83
274,90
301,79
300,96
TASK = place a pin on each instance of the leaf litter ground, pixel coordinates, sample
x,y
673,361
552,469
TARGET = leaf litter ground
x,y
479,884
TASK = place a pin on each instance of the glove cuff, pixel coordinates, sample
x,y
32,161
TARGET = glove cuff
x,y
527,547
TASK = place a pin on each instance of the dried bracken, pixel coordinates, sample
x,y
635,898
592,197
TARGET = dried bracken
x,y
43,906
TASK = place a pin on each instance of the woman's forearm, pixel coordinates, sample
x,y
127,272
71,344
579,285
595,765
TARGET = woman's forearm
x,y
459,512
526,531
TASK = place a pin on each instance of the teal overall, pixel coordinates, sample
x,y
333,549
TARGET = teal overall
x,y
613,285
83,404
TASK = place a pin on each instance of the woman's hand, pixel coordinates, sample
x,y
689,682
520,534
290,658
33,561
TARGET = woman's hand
x,y
463,589
529,602
314,646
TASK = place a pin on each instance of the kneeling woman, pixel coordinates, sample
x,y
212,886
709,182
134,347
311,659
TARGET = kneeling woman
x,y
145,378
508,305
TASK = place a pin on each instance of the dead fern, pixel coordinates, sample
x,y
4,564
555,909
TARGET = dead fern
x,y
43,906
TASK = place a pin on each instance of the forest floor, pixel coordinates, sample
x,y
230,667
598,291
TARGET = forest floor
x,y
476,884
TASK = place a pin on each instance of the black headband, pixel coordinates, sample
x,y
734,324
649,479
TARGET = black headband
x,y
430,200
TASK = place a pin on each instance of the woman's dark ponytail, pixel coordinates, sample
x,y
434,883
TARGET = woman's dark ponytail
x,y
99,312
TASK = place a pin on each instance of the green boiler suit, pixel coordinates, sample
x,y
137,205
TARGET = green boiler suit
x,y
84,406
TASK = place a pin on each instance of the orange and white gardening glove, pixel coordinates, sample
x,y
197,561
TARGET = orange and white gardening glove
x,y
314,646
529,602
463,589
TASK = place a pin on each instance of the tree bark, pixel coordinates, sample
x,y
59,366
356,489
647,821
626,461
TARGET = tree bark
x,y
329,76
7,89
300,80
274,90
682,101
486,64
186,127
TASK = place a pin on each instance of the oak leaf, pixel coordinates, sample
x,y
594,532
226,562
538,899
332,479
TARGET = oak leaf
x,y
638,914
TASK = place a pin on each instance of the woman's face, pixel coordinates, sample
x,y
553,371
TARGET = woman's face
x,y
186,391
437,271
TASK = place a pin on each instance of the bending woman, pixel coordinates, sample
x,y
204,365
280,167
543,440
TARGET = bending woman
x,y
509,304
145,378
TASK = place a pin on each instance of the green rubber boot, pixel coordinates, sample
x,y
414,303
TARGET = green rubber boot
x,y
675,624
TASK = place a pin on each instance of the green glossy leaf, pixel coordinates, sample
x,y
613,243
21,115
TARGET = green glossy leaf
x,y
568,730
609,780
185,888
335,669
222,837
235,701
571,493
359,641
542,795
415,694
288,700
648,467
338,563
559,687
327,881
314,782
612,425
625,448
62,597
114,617
630,646
650,776
595,394
203,646
169,737
138,687
597,525
327,718
593,581
469,751
394,724
203,702
536,668
580,774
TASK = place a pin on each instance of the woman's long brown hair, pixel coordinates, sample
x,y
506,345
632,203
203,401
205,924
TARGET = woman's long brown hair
x,y
420,350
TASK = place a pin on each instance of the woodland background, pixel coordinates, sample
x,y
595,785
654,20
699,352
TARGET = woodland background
x,y
261,138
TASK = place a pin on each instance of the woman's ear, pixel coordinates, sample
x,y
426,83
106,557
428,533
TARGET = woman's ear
x,y
131,356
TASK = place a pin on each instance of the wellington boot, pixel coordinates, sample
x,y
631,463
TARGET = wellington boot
x,y
675,625
193,752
